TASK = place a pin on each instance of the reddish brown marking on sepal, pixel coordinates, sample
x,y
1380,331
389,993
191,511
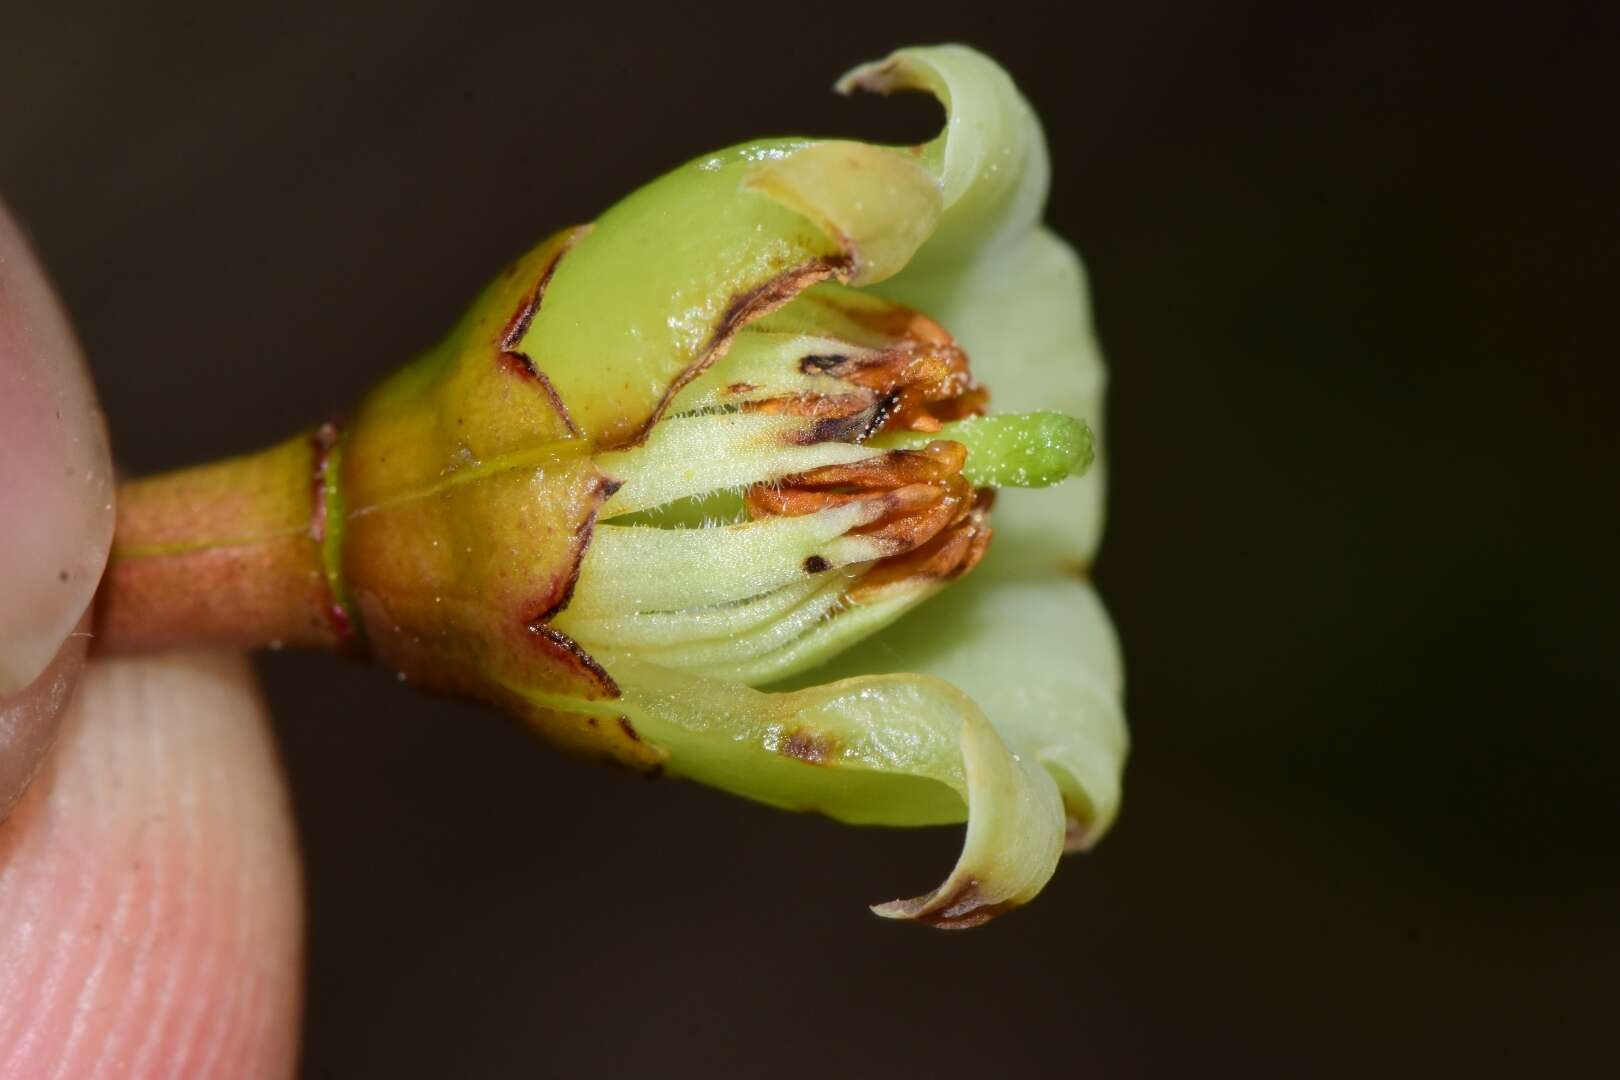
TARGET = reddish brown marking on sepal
x,y
568,652
563,586
519,323
554,641
741,387
516,363
629,729
810,747
765,298
557,401
743,309
520,363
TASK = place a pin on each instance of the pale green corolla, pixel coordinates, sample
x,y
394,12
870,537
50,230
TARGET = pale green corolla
x,y
590,504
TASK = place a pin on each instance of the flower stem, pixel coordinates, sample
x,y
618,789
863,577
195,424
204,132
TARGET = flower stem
x,y
231,553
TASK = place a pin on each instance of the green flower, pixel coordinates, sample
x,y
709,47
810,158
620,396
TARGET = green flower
x,y
676,489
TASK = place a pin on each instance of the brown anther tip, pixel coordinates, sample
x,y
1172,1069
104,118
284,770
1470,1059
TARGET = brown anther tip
x,y
929,522
765,501
946,454
934,463
911,498
952,552
923,328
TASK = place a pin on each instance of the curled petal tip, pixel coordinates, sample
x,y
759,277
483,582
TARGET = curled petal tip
x,y
877,204
900,70
1077,836
947,908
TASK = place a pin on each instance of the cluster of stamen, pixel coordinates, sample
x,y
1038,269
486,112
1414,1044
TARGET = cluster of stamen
x,y
932,522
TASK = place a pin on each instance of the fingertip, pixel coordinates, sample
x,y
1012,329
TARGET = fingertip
x,y
31,718
150,901
56,479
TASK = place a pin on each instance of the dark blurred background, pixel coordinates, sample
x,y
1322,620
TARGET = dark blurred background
x,y
1353,267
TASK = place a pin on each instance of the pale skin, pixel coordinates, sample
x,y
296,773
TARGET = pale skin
x,y
150,909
